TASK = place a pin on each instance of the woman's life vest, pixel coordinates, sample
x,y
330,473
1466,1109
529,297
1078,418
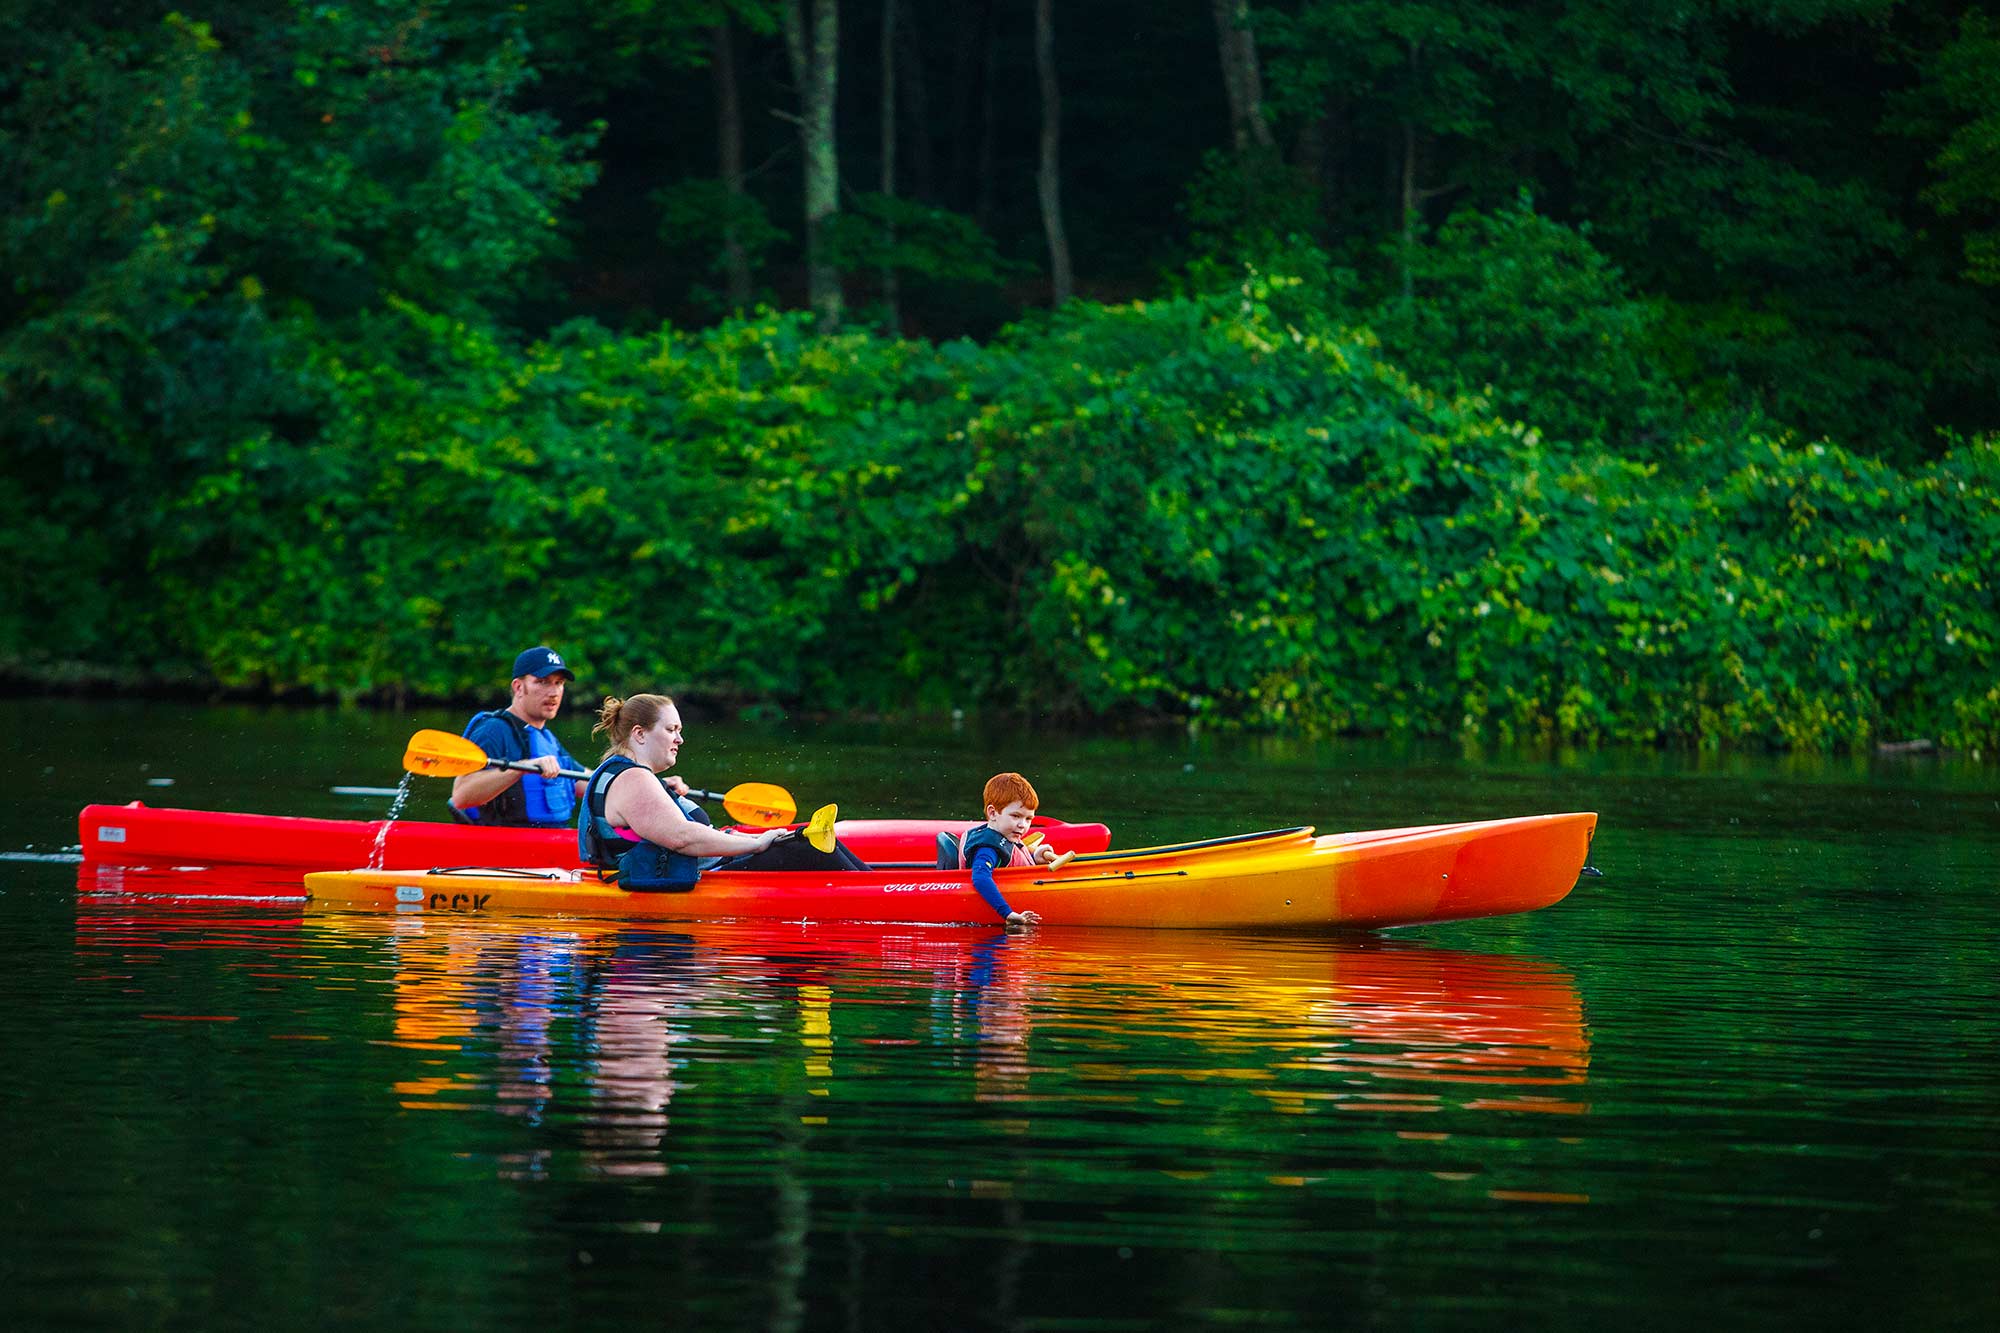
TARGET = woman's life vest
x,y
640,865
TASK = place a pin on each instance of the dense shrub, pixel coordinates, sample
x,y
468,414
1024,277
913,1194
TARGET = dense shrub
x,y
1196,507
1227,515
717,511
1523,310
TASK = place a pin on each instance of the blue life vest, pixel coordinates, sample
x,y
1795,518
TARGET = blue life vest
x,y
534,801
551,801
642,866
986,836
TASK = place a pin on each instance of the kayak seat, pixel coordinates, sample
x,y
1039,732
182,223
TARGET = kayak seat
x,y
947,852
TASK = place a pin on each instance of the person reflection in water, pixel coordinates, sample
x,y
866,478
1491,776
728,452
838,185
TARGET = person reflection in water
x,y
997,991
655,840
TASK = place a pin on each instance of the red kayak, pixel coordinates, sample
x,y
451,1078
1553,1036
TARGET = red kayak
x,y
142,835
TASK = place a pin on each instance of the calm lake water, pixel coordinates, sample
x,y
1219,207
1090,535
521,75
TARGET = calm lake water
x,y
1751,1077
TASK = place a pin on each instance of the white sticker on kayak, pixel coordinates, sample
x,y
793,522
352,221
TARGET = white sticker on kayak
x,y
409,893
109,834
932,887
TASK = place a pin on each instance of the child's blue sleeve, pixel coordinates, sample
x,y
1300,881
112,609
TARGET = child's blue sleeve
x,y
983,862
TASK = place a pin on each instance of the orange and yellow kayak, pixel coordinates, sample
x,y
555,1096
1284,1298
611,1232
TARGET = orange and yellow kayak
x,y
1286,878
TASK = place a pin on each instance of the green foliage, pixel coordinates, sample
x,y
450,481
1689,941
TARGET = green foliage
x,y
1248,208
1799,329
878,231
269,424
1227,516
616,44
1195,507
707,511
1968,165
700,214
190,214
1524,311
123,321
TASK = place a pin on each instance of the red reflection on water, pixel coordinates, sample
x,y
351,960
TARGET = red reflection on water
x,y
146,909
1303,1023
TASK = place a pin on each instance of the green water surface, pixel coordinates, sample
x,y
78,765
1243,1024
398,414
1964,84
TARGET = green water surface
x,y
1750,1078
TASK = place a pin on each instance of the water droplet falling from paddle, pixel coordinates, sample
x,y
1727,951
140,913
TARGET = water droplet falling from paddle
x,y
395,812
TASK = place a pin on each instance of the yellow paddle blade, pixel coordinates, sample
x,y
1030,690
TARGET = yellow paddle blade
x,y
1032,839
439,754
760,804
819,829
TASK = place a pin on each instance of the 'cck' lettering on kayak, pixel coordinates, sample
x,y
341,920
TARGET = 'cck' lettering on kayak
x,y
471,902
933,886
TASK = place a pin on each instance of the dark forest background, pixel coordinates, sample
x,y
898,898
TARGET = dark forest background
x,y
1596,370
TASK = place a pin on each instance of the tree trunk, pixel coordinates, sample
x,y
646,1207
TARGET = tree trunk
x,y
1242,79
891,293
729,153
1048,180
815,57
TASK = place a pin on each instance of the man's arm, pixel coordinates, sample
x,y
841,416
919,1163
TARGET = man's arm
x,y
477,788
471,789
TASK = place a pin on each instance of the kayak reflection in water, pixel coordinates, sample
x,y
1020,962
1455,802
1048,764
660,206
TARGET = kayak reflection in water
x,y
655,840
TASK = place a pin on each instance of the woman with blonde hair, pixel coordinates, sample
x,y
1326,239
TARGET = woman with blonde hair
x,y
655,838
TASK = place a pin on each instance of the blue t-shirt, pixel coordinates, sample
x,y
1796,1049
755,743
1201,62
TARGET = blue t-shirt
x,y
549,802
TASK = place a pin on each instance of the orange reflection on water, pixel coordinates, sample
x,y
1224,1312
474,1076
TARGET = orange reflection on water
x,y
1334,1019
1135,1022
434,985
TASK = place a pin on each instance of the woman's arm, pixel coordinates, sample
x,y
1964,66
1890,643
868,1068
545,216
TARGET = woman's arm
x,y
644,807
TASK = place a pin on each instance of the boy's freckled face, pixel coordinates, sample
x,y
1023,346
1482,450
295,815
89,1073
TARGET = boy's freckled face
x,y
1012,822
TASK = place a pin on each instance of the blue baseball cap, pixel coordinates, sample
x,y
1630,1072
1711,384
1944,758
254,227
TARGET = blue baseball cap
x,y
539,662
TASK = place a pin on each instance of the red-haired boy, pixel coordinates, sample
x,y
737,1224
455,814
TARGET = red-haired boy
x,y
1010,811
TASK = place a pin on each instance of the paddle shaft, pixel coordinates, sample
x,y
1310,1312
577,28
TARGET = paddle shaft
x,y
526,767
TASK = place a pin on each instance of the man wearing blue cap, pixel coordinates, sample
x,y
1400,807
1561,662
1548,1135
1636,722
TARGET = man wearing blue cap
x,y
507,796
